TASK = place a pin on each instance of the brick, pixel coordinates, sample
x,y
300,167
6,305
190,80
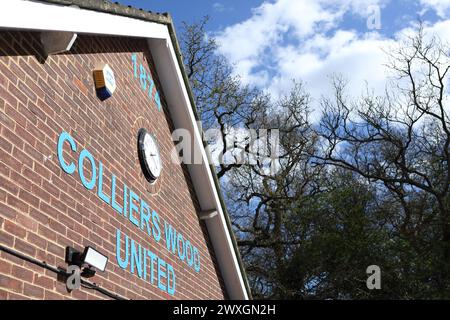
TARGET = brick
x,y
25,135
14,67
3,80
57,227
36,110
50,188
12,137
48,258
36,240
22,157
10,283
8,76
39,216
14,229
14,90
44,107
46,209
4,170
33,153
40,193
55,249
24,111
8,212
22,273
81,86
8,185
29,198
5,145
8,97
19,179
14,296
31,74
17,203
31,175
49,295
79,295
25,247
46,233
26,222
6,120
27,91
59,205
5,267
33,291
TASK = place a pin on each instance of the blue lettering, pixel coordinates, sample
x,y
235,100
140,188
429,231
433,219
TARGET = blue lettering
x,y
114,204
155,228
170,237
64,136
144,257
122,263
145,216
196,260
136,259
190,256
100,193
158,100
152,85
133,208
152,268
161,274
125,200
171,275
182,248
143,77
87,155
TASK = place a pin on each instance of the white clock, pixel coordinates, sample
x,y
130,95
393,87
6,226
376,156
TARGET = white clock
x,y
149,155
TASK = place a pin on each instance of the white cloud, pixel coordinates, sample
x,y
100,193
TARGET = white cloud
x,y
248,40
442,7
441,29
301,39
359,60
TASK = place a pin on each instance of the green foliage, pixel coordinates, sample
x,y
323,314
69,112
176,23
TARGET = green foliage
x,y
367,185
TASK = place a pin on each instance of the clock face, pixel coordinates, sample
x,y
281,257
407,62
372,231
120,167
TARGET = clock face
x,y
149,156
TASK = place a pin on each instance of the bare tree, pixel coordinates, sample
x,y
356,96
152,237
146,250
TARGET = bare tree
x,y
224,103
368,184
274,196
400,141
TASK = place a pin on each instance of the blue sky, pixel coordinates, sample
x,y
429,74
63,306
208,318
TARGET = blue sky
x,y
228,12
222,13
272,42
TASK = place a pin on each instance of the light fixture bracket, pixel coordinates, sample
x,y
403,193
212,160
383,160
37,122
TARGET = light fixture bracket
x,y
73,257
85,261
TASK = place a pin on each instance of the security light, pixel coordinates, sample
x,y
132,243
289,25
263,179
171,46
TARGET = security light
x,y
91,259
95,259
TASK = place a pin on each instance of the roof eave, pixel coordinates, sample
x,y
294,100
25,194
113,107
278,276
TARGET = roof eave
x,y
165,19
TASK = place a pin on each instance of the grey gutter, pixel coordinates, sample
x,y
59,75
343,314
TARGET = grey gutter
x,y
166,19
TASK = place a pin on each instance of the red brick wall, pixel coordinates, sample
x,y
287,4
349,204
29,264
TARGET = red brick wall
x,y
43,209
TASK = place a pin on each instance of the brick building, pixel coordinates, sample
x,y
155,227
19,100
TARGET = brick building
x,y
71,174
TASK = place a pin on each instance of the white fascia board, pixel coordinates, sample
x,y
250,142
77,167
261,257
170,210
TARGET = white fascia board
x,y
182,114
30,15
50,17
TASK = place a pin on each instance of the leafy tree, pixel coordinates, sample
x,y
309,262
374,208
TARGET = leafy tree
x,y
400,144
367,185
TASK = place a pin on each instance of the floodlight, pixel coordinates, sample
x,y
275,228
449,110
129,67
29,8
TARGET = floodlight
x,y
90,257
95,258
